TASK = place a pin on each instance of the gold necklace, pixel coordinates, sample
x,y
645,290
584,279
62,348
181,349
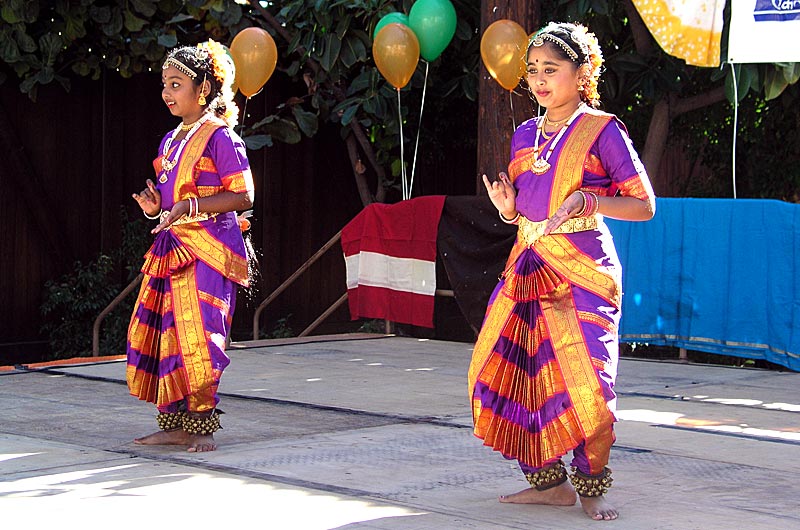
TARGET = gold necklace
x,y
548,121
168,165
541,165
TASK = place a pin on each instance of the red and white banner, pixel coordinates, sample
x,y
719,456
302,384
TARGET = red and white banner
x,y
390,257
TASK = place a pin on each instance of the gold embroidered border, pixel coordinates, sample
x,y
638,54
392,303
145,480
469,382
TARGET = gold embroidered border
x,y
582,270
522,162
569,166
490,332
240,182
597,320
575,362
637,187
207,249
214,301
189,329
193,151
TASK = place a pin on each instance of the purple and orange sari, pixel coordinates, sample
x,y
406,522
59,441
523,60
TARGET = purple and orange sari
x,y
182,317
542,373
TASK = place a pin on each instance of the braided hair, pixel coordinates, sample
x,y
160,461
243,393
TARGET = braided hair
x,y
209,61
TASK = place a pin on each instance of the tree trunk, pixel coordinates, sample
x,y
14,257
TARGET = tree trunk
x,y
496,122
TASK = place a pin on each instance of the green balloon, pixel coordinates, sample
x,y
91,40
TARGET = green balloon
x,y
434,23
390,18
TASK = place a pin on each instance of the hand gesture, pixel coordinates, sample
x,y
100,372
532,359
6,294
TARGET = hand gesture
x,y
502,194
570,208
179,209
149,199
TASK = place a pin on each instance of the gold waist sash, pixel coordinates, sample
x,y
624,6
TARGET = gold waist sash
x,y
530,231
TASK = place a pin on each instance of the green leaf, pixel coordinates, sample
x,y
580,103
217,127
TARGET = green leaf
x,y
342,26
353,51
791,72
774,83
25,41
257,141
307,121
144,7
284,130
101,15
348,114
168,40
9,49
132,22
181,17
231,15
114,26
330,53
50,44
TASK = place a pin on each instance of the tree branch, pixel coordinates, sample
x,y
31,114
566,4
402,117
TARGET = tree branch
x,y
682,106
355,126
642,39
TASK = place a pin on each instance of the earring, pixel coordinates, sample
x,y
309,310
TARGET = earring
x,y
580,88
202,99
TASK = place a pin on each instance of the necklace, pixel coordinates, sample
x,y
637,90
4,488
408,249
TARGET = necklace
x,y
168,165
541,165
548,121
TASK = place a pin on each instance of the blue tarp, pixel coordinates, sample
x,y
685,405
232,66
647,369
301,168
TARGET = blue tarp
x,y
714,275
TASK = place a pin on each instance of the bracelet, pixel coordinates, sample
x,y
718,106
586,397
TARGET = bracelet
x,y
585,204
509,221
594,204
156,216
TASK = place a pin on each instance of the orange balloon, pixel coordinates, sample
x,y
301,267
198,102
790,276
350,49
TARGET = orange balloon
x,y
255,56
396,53
503,48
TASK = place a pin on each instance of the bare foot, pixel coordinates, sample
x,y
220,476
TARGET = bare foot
x,y
199,443
171,437
598,508
561,495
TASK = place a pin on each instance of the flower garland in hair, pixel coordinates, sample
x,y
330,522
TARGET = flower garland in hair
x,y
593,65
224,71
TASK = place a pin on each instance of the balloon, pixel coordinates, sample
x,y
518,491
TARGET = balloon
x,y
503,48
255,56
399,18
434,23
396,53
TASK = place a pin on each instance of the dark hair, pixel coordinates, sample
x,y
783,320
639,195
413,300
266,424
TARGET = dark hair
x,y
208,61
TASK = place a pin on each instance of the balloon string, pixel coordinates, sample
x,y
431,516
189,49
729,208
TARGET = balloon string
x,y
511,102
402,151
244,113
419,128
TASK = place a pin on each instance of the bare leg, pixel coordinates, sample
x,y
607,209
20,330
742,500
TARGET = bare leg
x,y
598,508
561,495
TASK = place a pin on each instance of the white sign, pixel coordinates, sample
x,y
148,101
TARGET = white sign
x,y
764,31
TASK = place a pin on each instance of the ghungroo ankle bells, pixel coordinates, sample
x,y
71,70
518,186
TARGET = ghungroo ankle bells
x,y
549,477
591,485
201,425
169,421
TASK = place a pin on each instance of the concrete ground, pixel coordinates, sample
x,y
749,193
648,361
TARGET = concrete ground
x,y
368,432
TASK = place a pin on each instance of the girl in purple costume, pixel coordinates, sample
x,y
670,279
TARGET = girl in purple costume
x,y
181,321
543,368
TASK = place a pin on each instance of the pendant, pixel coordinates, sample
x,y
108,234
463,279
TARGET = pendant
x,y
540,166
163,178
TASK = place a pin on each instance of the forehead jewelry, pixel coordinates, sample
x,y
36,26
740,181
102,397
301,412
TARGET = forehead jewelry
x,y
172,61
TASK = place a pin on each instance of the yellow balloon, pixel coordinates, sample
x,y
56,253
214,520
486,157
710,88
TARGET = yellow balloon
x,y
396,53
255,56
503,47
